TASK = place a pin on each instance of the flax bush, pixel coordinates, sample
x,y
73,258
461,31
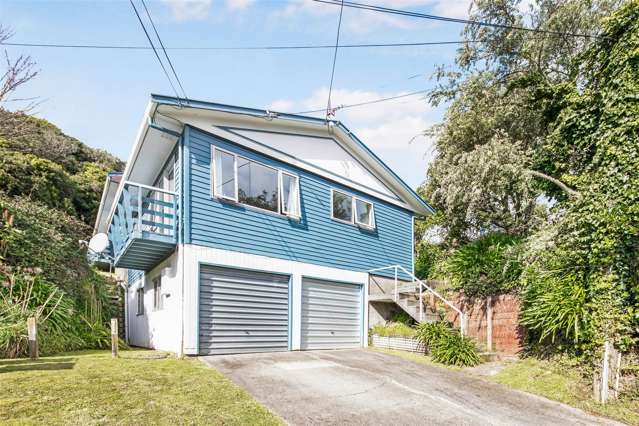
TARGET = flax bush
x,y
447,346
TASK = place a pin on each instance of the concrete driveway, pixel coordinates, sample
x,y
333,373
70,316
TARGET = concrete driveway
x,y
367,387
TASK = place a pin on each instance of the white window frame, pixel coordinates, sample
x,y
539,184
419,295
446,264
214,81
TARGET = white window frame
x,y
362,224
353,221
214,176
281,194
140,300
157,293
280,210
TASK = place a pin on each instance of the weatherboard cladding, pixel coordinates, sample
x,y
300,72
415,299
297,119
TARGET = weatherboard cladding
x,y
315,238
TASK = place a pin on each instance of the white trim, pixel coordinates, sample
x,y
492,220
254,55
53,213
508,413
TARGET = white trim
x,y
353,221
298,197
196,255
370,225
280,172
218,131
214,191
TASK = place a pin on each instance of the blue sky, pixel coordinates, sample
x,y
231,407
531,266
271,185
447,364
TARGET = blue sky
x,y
98,96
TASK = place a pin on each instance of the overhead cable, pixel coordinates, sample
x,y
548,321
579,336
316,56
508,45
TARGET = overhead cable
x,y
381,9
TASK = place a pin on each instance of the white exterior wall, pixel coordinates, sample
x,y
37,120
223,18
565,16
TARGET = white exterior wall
x,y
157,329
196,255
163,329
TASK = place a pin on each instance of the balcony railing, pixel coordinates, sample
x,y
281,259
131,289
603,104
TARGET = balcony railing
x,y
143,229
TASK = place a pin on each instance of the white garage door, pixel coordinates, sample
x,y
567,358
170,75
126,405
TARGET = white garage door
x,y
331,315
242,311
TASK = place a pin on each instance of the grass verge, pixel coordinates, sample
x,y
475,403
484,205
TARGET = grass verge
x,y
92,388
564,385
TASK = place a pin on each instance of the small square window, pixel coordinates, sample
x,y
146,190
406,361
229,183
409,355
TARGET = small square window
x,y
342,207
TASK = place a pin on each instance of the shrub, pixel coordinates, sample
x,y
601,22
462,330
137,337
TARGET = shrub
x,y
393,329
485,266
453,349
447,345
430,332
62,324
402,317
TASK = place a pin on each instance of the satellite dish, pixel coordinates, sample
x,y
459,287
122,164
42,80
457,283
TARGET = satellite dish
x,y
99,243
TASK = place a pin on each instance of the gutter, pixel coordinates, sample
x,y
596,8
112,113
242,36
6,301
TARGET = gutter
x,y
265,114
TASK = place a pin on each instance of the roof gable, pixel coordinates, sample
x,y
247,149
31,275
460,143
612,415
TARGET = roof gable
x,y
324,147
324,153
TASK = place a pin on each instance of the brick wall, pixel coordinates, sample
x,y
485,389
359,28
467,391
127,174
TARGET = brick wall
x,y
507,333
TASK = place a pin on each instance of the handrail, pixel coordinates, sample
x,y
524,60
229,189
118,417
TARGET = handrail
x,y
136,212
462,316
151,188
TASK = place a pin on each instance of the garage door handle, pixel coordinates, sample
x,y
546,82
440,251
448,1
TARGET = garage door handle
x,y
332,332
245,331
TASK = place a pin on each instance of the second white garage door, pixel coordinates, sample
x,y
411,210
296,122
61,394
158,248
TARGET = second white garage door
x,y
331,315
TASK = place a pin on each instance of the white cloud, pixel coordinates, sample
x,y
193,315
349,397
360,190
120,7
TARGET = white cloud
x,y
392,129
280,105
368,21
198,10
238,4
189,10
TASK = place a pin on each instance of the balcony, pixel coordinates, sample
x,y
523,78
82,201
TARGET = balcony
x,y
143,230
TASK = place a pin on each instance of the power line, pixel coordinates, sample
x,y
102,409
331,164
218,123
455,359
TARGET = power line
x,y
164,50
154,50
408,13
283,47
329,112
359,104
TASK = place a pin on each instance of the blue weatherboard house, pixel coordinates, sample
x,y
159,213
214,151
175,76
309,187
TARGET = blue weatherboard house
x,y
243,230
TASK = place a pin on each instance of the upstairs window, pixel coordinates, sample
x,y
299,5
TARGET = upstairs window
x,y
353,210
290,195
255,184
342,207
224,175
363,213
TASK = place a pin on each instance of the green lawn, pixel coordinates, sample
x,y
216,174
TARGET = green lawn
x,y
92,388
564,385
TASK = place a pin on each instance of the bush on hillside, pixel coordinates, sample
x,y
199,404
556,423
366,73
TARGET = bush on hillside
x,y
62,324
43,273
32,135
486,266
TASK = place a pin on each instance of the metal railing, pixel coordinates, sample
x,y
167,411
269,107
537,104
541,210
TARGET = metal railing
x,y
422,287
143,210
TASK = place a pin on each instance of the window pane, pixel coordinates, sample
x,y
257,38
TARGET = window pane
x,y
225,174
364,212
342,206
290,196
257,185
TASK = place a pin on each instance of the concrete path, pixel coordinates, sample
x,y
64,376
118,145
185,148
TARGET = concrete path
x,y
366,387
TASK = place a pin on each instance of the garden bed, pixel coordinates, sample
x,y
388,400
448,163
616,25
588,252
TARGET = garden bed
x,y
409,344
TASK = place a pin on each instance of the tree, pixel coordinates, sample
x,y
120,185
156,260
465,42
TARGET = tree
x,y
18,72
505,94
595,142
